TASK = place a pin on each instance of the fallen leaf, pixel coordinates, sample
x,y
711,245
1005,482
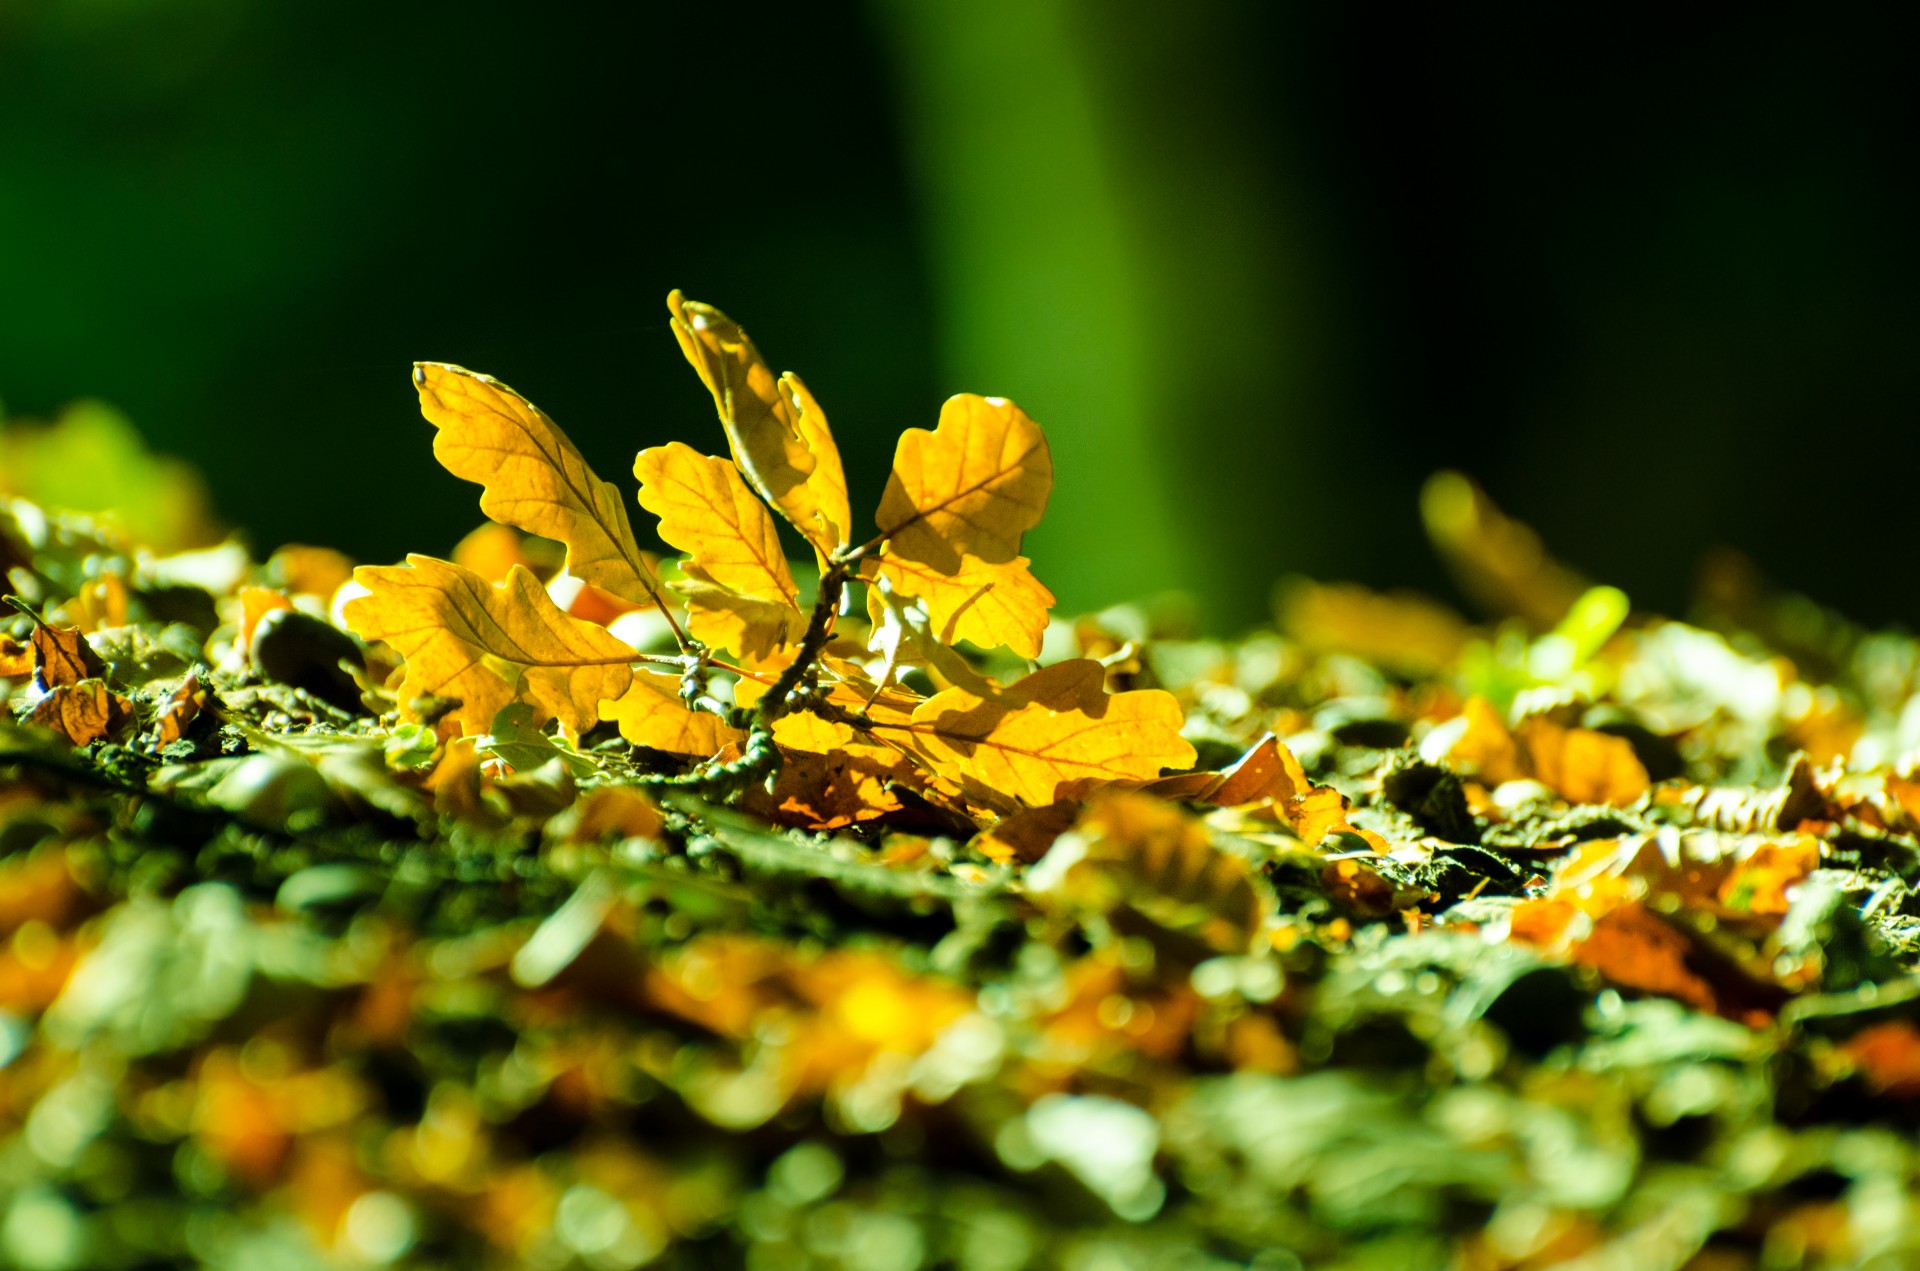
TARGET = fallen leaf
x,y
531,476
1581,765
16,659
614,812
62,656
182,707
85,712
1128,848
487,646
1026,835
776,431
1477,743
1403,631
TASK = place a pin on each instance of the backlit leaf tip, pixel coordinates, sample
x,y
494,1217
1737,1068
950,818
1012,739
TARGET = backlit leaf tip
x,y
777,432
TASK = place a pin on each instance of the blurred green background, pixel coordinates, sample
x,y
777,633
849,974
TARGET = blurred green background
x,y
1257,268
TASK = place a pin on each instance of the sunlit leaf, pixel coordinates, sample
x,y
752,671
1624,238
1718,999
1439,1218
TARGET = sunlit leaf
x,y
650,713
777,432
740,594
971,487
984,604
1049,738
532,476
488,646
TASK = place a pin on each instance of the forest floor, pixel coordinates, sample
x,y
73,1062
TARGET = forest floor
x,y
1580,937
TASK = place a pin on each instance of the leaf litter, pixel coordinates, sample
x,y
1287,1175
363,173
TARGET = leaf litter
x,y
567,905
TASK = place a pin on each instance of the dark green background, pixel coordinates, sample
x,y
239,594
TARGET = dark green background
x,y
1257,268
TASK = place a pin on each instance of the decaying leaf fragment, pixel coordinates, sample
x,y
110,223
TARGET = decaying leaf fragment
x,y
488,646
532,476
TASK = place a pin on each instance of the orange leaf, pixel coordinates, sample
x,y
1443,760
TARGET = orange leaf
x,y
62,656
85,712
1583,766
182,707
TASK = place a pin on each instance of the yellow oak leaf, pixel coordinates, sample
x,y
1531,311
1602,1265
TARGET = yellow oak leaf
x,y
778,434
1046,738
650,713
822,498
706,510
984,604
488,646
758,630
532,476
971,487
740,594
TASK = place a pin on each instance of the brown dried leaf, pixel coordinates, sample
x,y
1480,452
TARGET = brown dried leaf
x,y
61,656
84,712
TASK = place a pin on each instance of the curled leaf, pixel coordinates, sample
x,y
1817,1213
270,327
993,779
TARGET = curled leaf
x,y
61,656
488,646
777,432
532,476
84,712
